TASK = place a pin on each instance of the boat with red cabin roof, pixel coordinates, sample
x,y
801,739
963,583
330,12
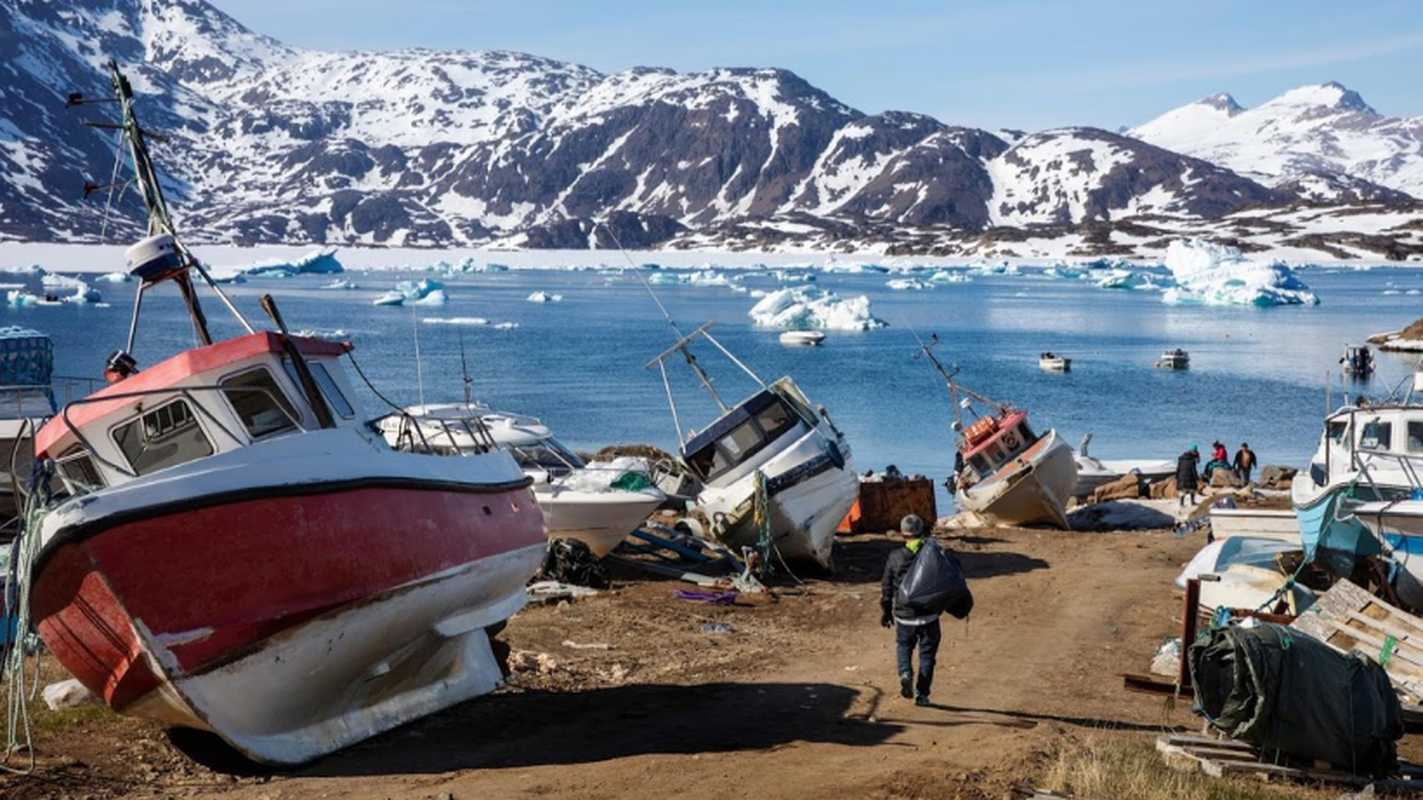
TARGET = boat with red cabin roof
x,y
1004,471
236,551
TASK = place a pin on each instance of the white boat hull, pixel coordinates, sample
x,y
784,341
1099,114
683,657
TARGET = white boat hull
x,y
600,520
805,511
355,678
1268,523
1032,491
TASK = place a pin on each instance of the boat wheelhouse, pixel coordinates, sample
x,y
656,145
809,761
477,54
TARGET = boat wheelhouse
x,y
1175,358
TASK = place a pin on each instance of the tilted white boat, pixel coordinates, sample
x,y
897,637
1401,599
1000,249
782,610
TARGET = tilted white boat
x,y
1006,473
774,445
597,504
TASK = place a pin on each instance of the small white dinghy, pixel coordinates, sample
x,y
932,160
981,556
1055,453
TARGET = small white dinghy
x,y
802,338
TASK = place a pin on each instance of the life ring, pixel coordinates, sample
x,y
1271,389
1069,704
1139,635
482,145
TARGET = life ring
x,y
1010,441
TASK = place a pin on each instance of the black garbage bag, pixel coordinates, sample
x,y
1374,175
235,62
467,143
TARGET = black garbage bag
x,y
570,561
1279,689
935,584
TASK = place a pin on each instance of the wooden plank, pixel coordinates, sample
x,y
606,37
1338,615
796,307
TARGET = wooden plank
x,y
1375,642
1222,757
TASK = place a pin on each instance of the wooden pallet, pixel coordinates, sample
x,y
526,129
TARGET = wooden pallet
x,y
1348,618
1221,757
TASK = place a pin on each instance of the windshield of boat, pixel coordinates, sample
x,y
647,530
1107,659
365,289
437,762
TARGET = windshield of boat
x,y
743,440
1376,435
548,455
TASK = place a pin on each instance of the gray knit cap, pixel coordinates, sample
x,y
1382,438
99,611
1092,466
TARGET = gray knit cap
x,y
911,526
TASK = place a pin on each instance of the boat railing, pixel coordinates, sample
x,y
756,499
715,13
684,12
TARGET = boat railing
x,y
1407,464
411,435
188,393
39,399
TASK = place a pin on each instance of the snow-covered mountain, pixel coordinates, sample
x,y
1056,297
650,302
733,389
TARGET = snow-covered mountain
x,y
1321,142
275,144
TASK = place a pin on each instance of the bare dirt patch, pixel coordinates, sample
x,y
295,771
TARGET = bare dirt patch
x,y
634,692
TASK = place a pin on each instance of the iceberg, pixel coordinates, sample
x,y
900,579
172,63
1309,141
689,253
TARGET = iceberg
x,y
950,276
433,298
321,261
808,308
908,284
1140,280
544,297
341,283
455,321
115,277
1211,274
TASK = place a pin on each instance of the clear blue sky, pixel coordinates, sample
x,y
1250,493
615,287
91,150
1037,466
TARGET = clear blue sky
x,y
1029,64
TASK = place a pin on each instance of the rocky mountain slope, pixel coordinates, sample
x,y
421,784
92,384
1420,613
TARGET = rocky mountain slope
x,y
267,143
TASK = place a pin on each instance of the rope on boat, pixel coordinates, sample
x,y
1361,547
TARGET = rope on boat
x,y
22,642
765,545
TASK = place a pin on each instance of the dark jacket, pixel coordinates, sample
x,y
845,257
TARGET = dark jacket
x,y
894,569
1186,470
1244,459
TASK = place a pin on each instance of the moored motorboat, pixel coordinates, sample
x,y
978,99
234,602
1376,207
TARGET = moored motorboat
x,y
773,451
1175,358
390,298
1357,361
1049,361
802,338
598,504
1005,472
236,551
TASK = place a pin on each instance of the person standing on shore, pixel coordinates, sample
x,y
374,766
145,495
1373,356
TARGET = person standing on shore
x,y
910,629
1186,474
1244,463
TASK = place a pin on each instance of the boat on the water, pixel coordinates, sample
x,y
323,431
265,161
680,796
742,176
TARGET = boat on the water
x,y
390,298
1005,472
1049,361
802,338
598,504
1175,358
236,551
1357,361
772,472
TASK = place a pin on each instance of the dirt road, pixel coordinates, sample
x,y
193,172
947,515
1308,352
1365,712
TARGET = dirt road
x,y
626,695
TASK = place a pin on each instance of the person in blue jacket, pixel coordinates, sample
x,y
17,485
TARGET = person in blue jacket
x,y
910,628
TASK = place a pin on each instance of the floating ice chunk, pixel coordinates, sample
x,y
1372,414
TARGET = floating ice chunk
x,y
455,321
435,297
908,284
1137,279
506,326
33,269
806,308
544,297
1212,274
20,297
336,335
341,283
1392,291
60,282
950,276
321,261
114,277
1064,272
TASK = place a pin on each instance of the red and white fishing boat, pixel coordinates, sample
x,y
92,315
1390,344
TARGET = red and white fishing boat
x,y
239,553
1005,472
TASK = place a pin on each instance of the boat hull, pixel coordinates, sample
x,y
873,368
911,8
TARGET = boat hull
x,y
1268,523
1033,490
600,520
810,488
290,619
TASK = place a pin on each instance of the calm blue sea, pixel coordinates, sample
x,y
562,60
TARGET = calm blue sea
x,y
1257,374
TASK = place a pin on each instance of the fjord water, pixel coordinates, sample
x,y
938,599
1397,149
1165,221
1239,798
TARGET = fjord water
x,y
1257,374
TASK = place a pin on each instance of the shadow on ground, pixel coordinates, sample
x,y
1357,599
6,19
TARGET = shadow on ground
x,y
538,728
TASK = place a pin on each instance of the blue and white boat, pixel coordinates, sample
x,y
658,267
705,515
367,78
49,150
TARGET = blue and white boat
x,y
1361,500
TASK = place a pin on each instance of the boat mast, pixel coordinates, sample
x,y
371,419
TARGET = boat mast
x,y
160,222
926,349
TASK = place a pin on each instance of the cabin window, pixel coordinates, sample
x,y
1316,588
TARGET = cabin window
x,y
1335,431
1376,435
775,420
76,466
979,463
261,405
709,461
546,456
164,437
334,398
1415,437
743,440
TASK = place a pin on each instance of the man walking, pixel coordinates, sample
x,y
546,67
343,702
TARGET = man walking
x,y
910,628
1244,463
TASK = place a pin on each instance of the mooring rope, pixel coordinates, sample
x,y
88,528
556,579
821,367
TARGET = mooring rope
x,y
21,642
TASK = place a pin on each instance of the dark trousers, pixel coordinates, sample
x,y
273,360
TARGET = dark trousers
x,y
927,637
